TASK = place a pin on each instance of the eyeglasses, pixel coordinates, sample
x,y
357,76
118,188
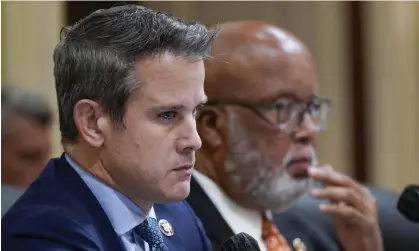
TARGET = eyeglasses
x,y
289,113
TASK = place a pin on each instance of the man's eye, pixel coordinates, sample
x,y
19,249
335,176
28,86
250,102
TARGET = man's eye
x,y
283,104
168,115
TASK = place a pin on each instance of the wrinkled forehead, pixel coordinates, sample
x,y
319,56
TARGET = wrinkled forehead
x,y
257,72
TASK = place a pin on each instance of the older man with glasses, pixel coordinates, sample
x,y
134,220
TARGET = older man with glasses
x,y
258,157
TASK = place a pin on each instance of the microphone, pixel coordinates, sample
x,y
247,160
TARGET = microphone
x,y
240,242
408,204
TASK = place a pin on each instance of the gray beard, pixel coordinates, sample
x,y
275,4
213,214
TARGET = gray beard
x,y
261,185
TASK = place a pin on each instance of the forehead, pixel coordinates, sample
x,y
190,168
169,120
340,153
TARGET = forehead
x,y
170,78
268,73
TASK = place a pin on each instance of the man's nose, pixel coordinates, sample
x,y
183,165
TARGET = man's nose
x,y
308,130
189,140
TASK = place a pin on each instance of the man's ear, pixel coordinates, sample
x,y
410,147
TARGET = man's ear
x,y
210,125
90,120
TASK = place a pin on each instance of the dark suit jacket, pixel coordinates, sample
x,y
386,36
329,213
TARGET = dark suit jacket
x,y
397,232
59,212
291,225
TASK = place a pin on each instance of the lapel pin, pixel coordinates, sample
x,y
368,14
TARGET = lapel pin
x,y
166,228
299,245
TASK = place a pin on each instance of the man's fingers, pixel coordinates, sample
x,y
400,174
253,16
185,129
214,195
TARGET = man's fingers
x,y
328,176
346,195
342,210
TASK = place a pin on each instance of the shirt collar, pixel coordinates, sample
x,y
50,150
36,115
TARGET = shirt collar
x,y
239,219
123,214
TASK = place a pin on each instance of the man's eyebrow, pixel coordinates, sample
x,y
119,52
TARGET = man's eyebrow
x,y
290,96
174,106
169,107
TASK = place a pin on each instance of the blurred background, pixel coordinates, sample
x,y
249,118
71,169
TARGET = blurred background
x,y
367,57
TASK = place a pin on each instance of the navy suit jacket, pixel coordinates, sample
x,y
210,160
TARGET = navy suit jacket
x,y
59,212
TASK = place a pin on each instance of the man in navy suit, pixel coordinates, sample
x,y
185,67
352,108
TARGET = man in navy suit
x,y
129,82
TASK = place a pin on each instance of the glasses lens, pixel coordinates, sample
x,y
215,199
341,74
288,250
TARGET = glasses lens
x,y
319,113
289,117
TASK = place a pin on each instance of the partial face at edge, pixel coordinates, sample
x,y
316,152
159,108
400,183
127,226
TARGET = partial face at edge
x,y
151,158
25,151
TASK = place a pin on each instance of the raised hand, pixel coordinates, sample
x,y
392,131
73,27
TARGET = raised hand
x,y
353,208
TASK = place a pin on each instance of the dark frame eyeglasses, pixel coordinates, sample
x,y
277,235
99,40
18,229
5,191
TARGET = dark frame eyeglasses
x,y
290,113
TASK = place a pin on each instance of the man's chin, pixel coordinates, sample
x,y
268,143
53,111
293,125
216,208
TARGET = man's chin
x,y
284,204
177,193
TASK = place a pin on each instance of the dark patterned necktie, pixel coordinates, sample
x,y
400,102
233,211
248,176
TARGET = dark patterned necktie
x,y
149,231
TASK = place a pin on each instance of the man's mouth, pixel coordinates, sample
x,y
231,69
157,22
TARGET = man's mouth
x,y
184,167
298,167
184,170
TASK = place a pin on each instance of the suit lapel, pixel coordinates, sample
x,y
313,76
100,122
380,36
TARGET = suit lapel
x,y
215,226
173,242
69,178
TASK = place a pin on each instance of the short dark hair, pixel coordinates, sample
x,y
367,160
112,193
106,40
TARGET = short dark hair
x,y
95,58
17,101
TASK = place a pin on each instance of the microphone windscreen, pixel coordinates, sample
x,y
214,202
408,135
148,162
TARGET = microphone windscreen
x,y
240,242
408,203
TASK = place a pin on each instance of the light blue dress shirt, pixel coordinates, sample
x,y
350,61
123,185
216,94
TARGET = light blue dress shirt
x,y
123,214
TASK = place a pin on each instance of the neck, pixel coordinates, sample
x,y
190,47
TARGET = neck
x,y
90,160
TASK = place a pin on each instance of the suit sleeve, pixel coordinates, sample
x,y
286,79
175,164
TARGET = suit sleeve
x,y
206,244
36,243
47,229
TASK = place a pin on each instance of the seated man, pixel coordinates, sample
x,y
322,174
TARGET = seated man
x,y
26,121
129,81
258,157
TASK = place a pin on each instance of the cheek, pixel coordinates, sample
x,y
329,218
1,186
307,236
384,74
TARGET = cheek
x,y
258,165
271,146
146,143
10,157
5,153
254,149
262,135
275,147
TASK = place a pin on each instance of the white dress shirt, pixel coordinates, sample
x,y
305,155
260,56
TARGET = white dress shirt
x,y
239,219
